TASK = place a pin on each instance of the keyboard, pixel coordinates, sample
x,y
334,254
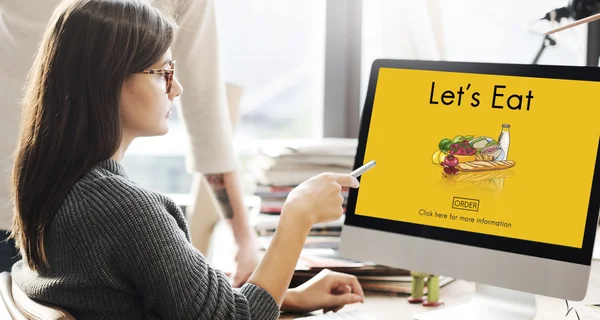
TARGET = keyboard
x,y
341,315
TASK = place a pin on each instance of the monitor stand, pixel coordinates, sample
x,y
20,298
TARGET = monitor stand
x,y
490,303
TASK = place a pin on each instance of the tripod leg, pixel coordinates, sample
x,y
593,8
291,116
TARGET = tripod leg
x,y
539,54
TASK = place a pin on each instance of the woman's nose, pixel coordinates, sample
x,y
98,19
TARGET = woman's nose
x,y
176,89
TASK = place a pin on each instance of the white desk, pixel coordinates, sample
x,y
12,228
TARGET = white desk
x,y
393,307
386,307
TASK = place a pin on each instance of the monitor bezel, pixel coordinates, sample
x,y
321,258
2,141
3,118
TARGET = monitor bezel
x,y
530,248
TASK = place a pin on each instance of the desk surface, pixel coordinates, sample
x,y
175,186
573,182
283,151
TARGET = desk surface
x,y
386,307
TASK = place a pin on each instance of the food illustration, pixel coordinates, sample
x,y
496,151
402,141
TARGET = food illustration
x,y
470,153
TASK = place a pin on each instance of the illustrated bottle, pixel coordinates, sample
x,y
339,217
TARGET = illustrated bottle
x,y
504,140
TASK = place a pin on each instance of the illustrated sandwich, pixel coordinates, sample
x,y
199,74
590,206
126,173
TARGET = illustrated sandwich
x,y
484,157
485,165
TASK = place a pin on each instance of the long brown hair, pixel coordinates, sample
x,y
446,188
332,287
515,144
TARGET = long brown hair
x,y
71,107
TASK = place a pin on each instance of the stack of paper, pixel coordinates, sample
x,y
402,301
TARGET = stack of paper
x,y
289,162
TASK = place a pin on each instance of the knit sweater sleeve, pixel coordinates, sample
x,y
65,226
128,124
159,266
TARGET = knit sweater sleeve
x,y
151,251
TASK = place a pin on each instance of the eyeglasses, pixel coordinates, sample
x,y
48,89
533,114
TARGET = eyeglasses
x,y
167,73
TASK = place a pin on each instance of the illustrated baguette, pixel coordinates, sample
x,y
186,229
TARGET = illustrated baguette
x,y
475,176
485,165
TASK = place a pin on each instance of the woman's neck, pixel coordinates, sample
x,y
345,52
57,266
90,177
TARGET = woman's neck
x,y
125,142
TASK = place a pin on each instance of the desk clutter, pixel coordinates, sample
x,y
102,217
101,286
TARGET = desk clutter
x,y
281,166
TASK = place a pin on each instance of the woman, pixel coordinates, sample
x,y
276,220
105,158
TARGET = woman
x,y
97,244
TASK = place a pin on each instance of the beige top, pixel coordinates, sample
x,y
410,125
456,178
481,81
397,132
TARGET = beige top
x,y
203,106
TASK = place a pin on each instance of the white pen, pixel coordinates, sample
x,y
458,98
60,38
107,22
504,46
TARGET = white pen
x,y
364,168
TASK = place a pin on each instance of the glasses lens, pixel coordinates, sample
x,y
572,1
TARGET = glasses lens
x,y
169,82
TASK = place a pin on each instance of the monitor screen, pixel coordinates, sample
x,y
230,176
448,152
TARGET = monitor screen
x,y
485,156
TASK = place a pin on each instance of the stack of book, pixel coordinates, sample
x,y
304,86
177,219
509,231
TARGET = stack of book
x,y
282,165
378,279
322,253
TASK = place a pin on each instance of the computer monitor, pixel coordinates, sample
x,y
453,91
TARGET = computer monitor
x,y
485,172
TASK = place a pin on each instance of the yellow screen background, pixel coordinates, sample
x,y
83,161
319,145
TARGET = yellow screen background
x,y
554,146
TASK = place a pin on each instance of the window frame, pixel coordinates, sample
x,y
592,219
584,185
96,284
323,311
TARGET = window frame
x,y
343,48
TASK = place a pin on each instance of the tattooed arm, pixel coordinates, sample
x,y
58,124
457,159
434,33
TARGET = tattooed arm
x,y
217,182
228,191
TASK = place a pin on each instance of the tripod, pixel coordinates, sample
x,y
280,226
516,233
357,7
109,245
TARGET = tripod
x,y
548,41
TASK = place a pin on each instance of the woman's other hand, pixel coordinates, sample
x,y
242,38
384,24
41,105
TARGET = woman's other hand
x,y
328,290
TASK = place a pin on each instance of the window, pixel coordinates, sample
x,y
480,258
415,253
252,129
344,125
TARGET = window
x,y
464,30
275,51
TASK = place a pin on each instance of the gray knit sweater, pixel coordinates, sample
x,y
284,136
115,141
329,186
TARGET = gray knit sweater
x,y
119,251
